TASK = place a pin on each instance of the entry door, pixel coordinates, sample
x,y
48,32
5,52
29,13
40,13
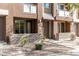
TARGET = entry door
x,y
50,28
64,27
61,27
77,29
28,27
2,28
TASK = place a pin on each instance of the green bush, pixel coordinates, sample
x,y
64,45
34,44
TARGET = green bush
x,y
39,44
38,47
23,41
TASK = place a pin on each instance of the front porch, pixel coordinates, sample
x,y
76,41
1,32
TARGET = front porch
x,y
66,30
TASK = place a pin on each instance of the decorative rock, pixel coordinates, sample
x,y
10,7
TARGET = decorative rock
x,y
15,38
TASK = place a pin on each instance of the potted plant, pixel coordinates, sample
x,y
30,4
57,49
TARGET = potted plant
x,y
39,44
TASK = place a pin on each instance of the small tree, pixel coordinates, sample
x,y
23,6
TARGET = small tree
x,y
23,40
39,44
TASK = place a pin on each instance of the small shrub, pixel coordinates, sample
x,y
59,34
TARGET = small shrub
x,y
23,41
39,44
38,47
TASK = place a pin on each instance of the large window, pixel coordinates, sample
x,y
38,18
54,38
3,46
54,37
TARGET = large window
x,y
25,26
19,26
30,7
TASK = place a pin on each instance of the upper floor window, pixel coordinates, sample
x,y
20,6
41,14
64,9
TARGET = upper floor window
x,y
30,7
47,7
61,6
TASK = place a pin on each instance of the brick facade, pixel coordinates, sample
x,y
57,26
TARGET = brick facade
x,y
16,10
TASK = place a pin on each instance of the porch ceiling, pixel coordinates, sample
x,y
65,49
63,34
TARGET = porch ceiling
x,y
48,16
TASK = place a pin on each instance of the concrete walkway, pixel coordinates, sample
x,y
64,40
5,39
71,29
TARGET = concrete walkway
x,y
71,44
50,48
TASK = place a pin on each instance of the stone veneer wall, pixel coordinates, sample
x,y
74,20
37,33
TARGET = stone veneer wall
x,y
15,38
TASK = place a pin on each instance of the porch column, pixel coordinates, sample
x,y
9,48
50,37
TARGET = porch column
x,y
50,29
72,28
56,30
73,35
40,28
40,22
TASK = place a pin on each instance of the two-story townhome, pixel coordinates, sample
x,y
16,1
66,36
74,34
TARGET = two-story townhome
x,y
49,19
26,18
63,19
18,18
58,22
75,17
67,22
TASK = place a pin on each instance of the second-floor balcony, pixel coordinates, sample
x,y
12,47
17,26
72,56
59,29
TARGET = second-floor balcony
x,y
61,11
63,15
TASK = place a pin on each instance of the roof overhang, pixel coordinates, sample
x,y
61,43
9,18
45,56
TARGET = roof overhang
x,y
48,16
3,12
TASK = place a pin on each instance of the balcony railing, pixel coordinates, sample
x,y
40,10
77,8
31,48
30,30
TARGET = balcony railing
x,y
63,13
